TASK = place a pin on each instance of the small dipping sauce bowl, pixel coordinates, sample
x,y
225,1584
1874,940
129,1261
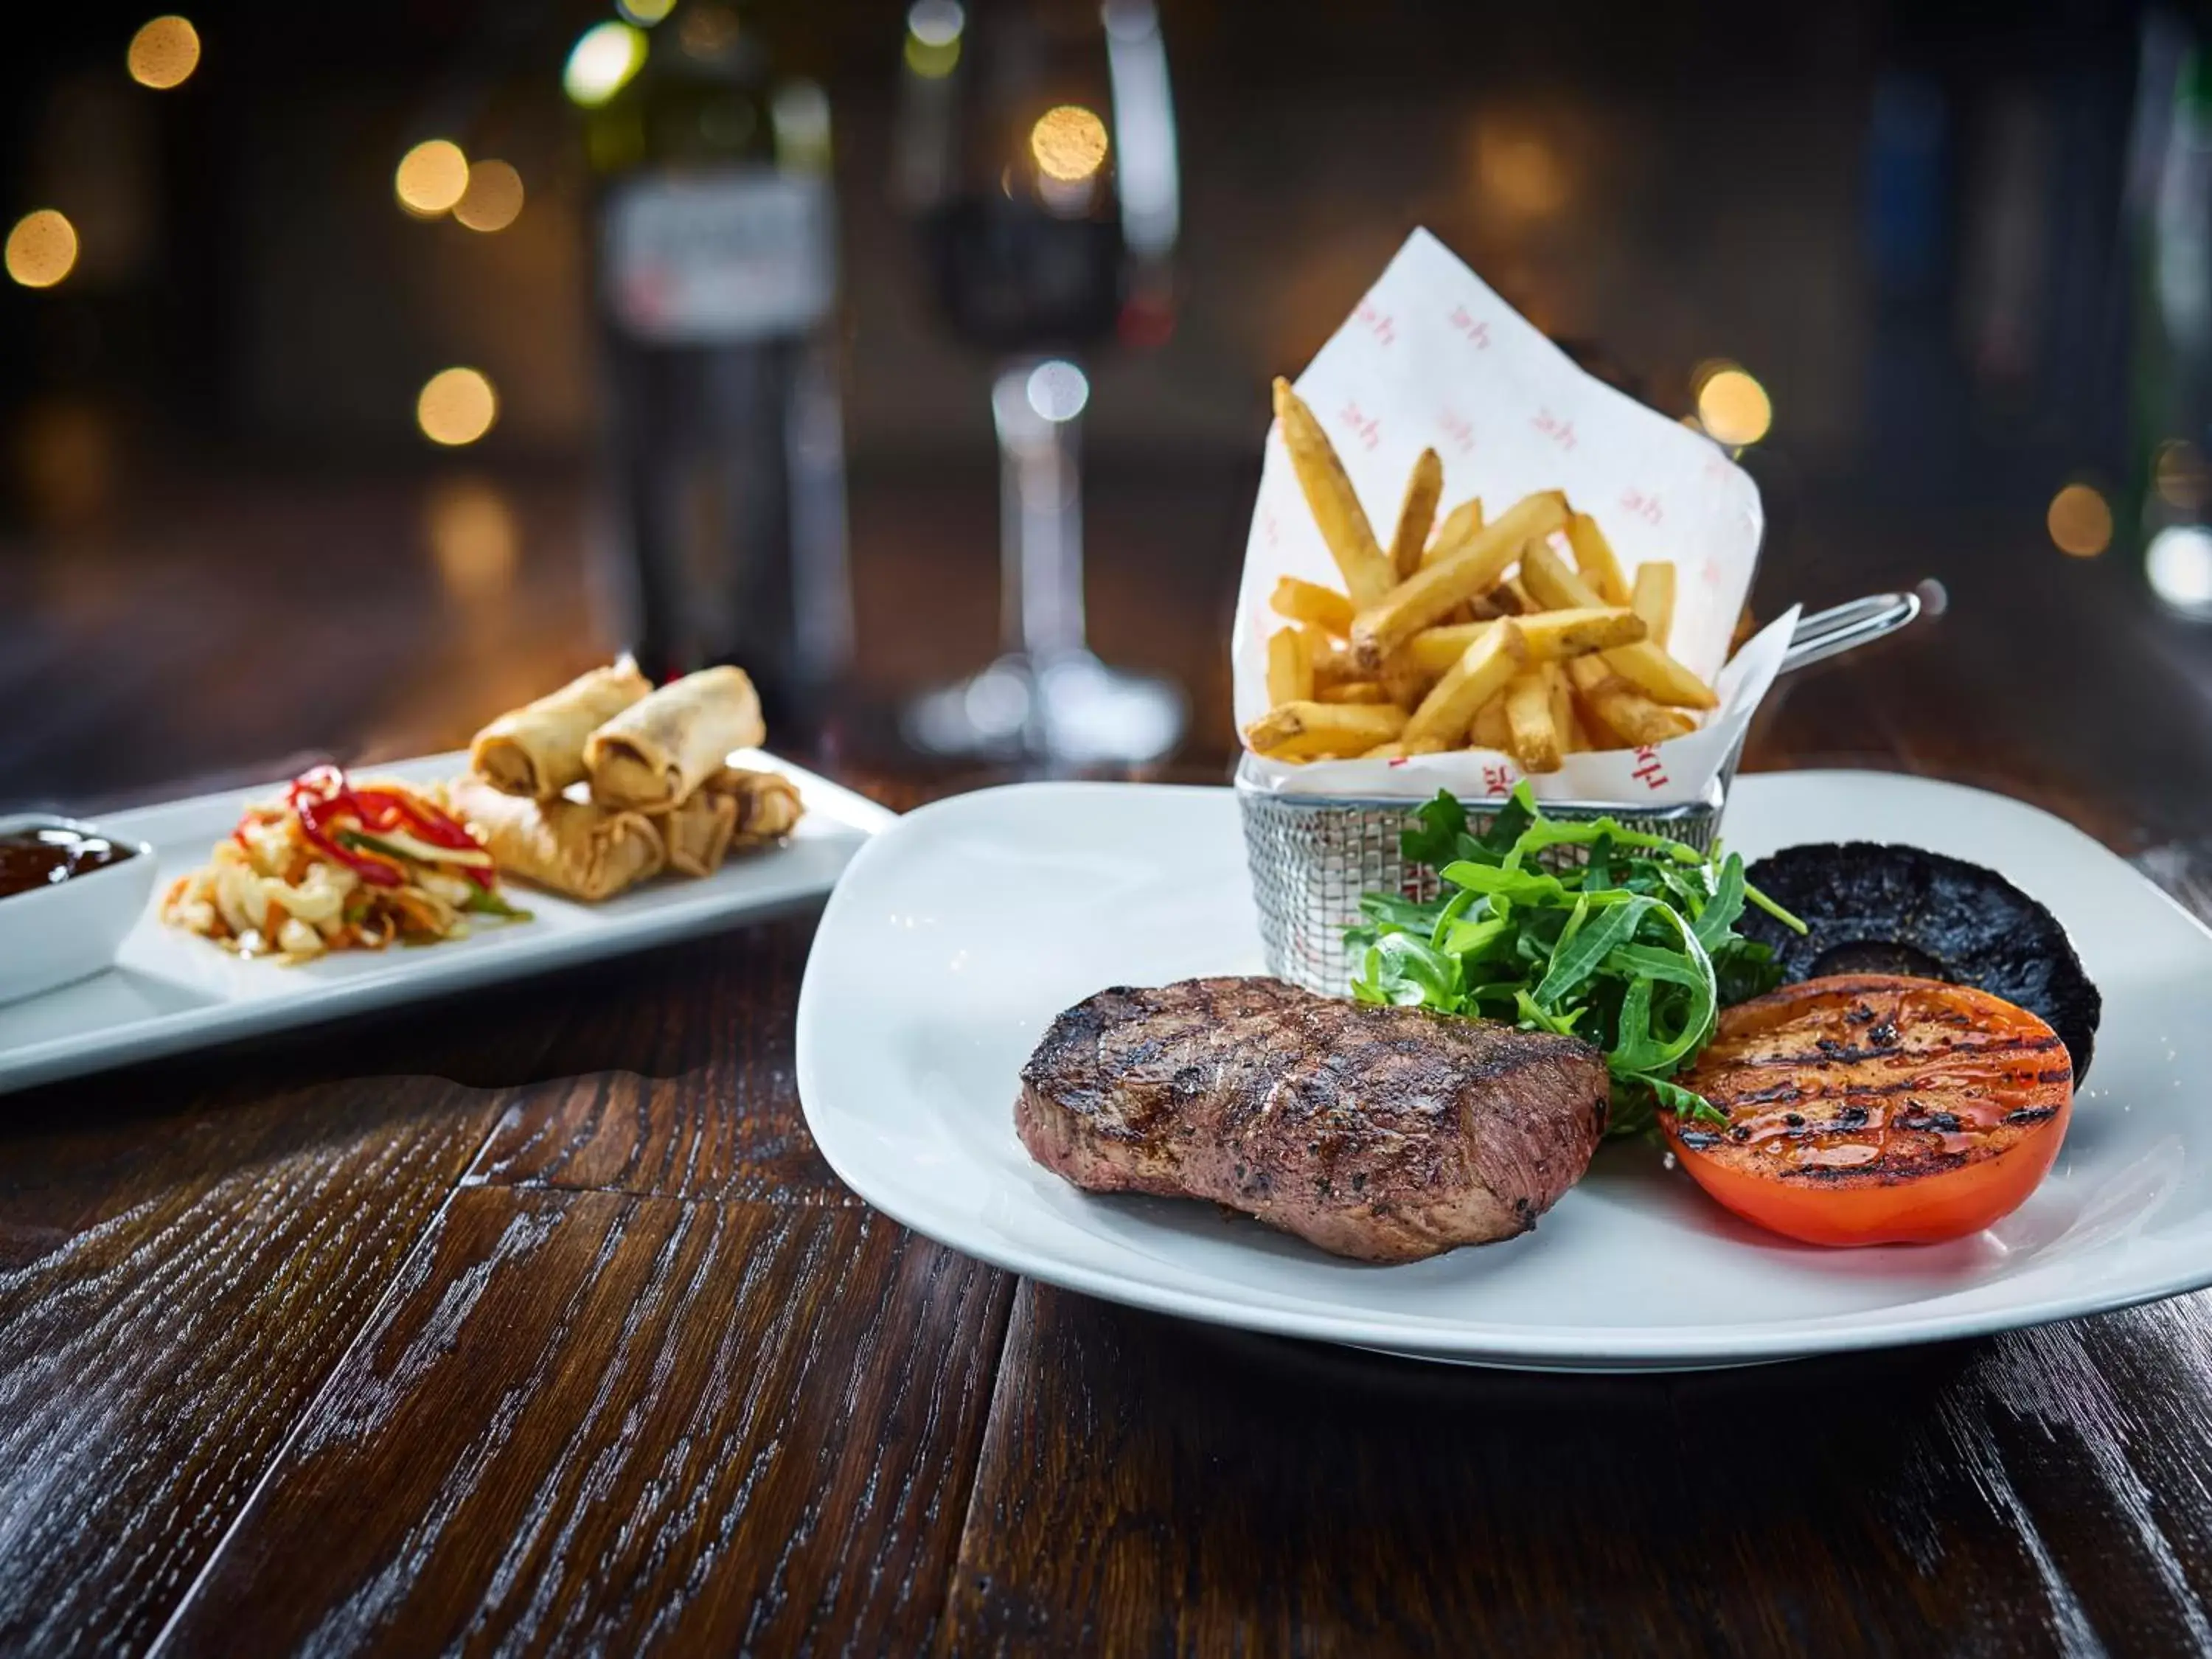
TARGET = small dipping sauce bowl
x,y
68,894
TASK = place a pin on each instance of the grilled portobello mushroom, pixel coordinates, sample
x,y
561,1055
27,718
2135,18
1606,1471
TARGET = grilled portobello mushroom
x,y
1878,909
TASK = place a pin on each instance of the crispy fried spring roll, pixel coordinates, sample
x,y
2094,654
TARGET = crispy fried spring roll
x,y
655,753
575,848
697,831
537,750
768,805
732,812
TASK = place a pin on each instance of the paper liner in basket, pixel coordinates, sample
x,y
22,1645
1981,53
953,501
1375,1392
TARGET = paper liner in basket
x,y
1431,358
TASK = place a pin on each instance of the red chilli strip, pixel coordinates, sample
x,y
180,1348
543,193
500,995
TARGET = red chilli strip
x,y
315,810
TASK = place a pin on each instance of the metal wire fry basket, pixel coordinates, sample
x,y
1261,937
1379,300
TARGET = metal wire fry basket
x,y
1312,856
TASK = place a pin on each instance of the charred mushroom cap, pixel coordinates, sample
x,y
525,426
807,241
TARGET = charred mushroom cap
x,y
1902,910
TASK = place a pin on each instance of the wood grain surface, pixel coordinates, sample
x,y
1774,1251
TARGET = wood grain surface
x,y
591,1422
533,1322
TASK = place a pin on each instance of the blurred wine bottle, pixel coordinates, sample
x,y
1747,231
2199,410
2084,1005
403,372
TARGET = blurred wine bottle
x,y
717,288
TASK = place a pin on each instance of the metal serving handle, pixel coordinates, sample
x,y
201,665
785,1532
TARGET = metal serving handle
x,y
1846,627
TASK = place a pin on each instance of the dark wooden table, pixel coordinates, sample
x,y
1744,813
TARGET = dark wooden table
x,y
533,1320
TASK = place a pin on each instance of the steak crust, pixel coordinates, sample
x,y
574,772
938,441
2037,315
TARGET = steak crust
x,y
1387,1134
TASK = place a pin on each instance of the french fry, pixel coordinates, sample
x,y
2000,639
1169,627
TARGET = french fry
x,y
1408,682
1480,674
1331,658
1622,713
1460,526
1289,669
1307,747
1571,738
1643,665
1660,677
1535,739
1309,602
1399,749
1653,598
1417,515
1337,513
1354,691
1594,557
1488,729
1334,728
1552,635
1383,626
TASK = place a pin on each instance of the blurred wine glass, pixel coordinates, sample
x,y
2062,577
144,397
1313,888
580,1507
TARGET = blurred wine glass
x,y
1036,156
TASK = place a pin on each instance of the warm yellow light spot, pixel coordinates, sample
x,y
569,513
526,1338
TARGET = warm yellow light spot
x,y
1734,408
2080,522
163,53
473,538
645,12
932,62
2180,475
1520,171
432,177
457,406
1069,143
601,63
492,198
41,249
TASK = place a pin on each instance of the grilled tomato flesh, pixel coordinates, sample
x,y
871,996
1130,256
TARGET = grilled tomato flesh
x,y
1873,1108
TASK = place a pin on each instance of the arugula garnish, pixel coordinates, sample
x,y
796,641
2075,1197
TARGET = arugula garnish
x,y
1633,948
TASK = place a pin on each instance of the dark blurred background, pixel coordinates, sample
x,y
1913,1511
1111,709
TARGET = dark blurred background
x,y
1965,252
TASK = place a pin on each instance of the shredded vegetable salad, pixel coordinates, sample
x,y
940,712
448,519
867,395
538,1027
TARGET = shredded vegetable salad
x,y
1631,945
337,866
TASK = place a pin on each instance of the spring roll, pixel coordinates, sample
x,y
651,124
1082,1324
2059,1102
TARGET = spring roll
x,y
768,806
697,832
537,750
734,811
575,848
655,753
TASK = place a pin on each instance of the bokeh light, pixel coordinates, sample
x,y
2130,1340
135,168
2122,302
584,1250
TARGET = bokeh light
x,y
163,53
2080,521
492,198
431,178
1519,172
474,538
2179,562
645,12
457,406
932,36
41,248
601,63
2180,475
1069,142
1058,391
1734,408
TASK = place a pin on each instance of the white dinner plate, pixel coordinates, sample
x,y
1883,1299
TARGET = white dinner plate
x,y
958,935
170,991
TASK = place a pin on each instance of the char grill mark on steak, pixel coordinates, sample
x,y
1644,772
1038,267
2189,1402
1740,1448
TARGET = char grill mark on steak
x,y
1383,1133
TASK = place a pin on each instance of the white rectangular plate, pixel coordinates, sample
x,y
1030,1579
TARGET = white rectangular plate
x,y
170,991
956,937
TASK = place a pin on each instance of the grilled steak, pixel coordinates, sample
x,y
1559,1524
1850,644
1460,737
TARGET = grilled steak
x,y
1384,1134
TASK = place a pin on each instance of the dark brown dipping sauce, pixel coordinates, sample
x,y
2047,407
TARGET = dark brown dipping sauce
x,y
45,856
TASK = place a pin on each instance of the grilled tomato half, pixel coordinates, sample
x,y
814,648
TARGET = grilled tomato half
x,y
1871,1108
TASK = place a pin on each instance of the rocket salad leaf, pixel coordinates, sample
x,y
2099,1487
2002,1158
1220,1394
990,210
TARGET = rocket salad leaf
x,y
1633,948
